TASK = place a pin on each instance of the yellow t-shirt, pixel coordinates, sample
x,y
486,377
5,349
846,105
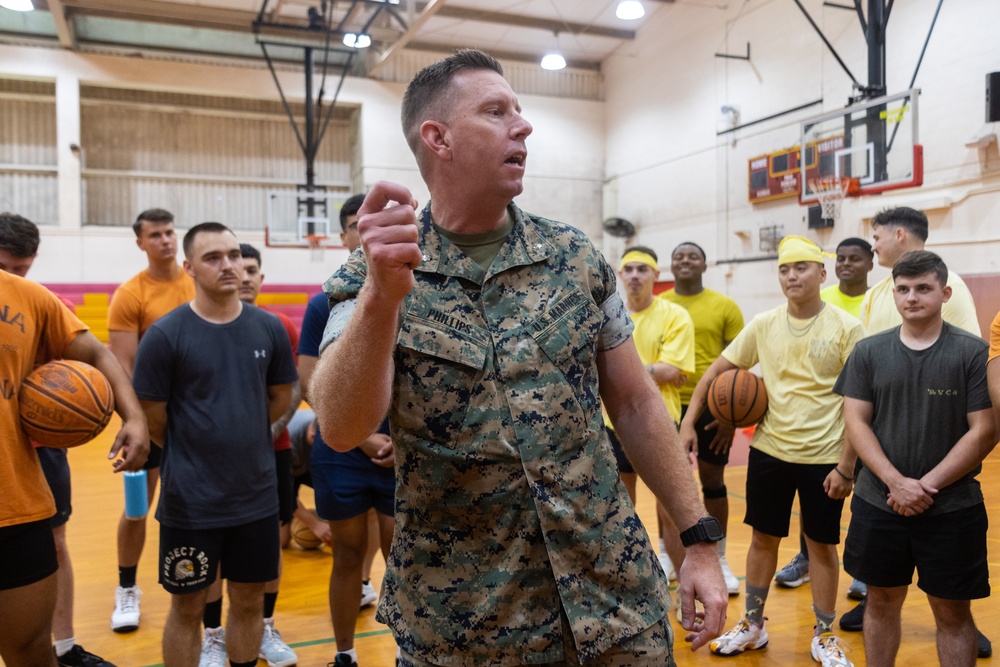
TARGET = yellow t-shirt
x,y
664,334
878,310
833,296
717,321
804,422
33,325
994,339
138,303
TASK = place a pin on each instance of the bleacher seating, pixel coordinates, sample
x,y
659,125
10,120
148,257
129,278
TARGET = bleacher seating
x,y
91,302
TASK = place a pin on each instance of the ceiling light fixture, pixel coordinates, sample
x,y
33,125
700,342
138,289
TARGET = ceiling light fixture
x,y
553,61
361,41
630,10
17,5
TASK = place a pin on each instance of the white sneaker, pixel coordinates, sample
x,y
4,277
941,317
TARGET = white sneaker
x,y
745,636
125,617
732,583
667,565
274,649
828,651
213,648
368,594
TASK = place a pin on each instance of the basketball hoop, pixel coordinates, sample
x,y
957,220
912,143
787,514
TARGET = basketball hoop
x,y
830,191
315,247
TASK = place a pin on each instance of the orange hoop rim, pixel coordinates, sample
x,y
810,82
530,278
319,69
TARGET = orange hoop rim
x,y
316,240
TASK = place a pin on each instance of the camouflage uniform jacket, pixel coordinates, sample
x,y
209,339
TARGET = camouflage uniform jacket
x,y
509,509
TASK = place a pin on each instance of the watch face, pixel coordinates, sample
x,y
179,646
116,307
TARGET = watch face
x,y
713,530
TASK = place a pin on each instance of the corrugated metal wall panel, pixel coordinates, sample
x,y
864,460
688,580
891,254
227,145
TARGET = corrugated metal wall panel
x,y
116,200
27,132
200,162
28,182
33,195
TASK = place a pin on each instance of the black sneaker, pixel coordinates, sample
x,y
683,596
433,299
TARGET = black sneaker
x,y
854,620
342,660
78,657
984,647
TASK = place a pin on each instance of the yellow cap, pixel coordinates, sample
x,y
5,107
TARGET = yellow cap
x,y
800,249
640,257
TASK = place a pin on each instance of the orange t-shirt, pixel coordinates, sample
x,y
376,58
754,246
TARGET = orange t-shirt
x,y
33,325
995,338
138,303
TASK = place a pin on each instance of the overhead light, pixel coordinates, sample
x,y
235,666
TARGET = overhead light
x,y
630,10
17,5
553,61
361,41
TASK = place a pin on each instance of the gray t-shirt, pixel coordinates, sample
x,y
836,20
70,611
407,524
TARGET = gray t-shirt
x,y
218,456
921,400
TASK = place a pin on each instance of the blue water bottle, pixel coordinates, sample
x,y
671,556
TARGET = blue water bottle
x,y
136,496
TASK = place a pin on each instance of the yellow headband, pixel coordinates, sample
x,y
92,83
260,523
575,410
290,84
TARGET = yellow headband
x,y
800,249
640,257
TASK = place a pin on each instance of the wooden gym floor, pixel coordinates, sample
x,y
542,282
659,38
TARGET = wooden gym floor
x,y
303,618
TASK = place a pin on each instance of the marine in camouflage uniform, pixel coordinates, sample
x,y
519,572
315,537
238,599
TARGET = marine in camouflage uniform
x,y
515,541
509,508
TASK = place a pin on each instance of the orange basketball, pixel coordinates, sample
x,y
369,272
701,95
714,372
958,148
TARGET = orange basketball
x,y
304,536
737,398
65,403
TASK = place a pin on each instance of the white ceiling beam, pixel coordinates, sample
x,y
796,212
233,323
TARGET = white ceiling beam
x,y
428,12
64,27
521,21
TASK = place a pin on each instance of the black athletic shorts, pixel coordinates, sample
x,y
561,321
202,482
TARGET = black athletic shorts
x,y
705,438
155,454
624,465
947,550
286,489
771,488
189,558
27,554
55,465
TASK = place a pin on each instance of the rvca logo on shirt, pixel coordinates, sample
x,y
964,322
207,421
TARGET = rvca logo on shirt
x,y
942,392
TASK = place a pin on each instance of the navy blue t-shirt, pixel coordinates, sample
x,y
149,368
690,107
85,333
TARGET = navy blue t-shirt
x,y
313,325
218,456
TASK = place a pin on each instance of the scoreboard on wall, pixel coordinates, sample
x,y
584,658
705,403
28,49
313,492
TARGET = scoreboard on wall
x,y
777,175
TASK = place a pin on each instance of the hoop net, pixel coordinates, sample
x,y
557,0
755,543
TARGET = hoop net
x,y
830,192
315,247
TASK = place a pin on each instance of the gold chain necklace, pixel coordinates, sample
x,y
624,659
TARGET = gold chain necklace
x,y
799,332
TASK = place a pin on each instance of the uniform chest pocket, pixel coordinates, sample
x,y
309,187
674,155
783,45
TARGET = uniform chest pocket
x,y
450,339
568,331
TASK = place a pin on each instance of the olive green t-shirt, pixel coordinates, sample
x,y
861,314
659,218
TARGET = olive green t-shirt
x,y
482,247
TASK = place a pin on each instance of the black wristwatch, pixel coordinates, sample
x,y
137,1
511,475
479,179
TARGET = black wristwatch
x,y
707,529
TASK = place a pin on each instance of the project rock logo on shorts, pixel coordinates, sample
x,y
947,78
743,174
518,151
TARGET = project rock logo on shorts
x,y
185,566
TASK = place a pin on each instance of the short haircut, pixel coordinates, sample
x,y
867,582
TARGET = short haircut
x,y
430,86
642,248
691,243
855,242
910,219
204,227
349,208
18,236
251,252
918,263
155,215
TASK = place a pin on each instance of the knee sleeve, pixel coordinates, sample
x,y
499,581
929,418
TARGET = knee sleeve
x,y
714,494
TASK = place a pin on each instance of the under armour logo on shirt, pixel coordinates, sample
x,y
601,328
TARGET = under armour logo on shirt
x,y
257,354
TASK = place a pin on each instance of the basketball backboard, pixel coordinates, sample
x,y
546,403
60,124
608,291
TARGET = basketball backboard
x,y
299,219
874,141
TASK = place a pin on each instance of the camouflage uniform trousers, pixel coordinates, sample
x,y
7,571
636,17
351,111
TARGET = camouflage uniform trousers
x,y
653,647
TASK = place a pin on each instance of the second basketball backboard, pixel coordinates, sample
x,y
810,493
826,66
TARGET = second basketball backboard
x,y
874,142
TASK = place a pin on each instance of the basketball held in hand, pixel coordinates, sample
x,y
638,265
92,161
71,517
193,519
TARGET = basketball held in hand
x,y
737,398
65,403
